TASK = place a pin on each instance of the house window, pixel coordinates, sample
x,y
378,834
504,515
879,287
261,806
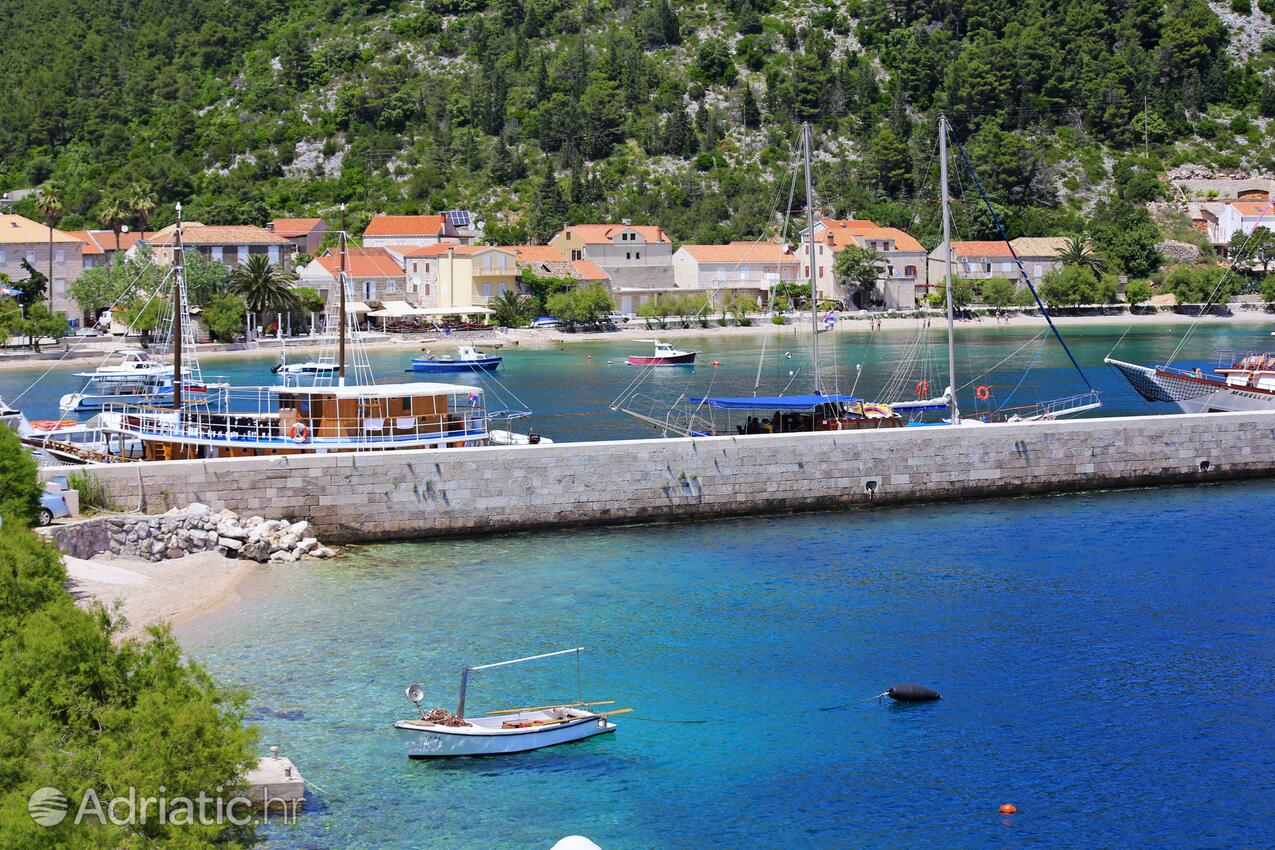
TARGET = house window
x,y
391,286
427,289
367,290
577,255
215,253
628,255
987,268
821,271
638,255
61,255
59,285
274,254
487,289
910,271
3,257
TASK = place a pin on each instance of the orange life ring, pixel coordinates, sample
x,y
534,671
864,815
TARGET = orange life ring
x,y
983,393
922,389
300,433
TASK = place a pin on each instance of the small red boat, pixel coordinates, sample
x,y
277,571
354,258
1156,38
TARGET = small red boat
x,y
665,355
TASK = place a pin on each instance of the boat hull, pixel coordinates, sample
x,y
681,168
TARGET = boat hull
x,y
1193,393
687,359
429,741
485,364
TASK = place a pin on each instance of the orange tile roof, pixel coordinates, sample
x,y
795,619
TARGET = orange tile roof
x,y
903,240
294,227
536,253
405,225
981,249
20,230
1252,209
90,245
589,270
840,232
740,252
196,233
362,262
596,234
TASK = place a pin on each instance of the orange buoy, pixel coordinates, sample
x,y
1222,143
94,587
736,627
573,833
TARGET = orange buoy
x,y
983,393
1008,809
716,363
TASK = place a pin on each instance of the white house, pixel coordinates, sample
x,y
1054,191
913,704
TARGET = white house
x,y
902,275
632,256
1243,217
748,268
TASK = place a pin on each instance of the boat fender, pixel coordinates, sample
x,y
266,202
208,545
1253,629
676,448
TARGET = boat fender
x,y
300,433
912,693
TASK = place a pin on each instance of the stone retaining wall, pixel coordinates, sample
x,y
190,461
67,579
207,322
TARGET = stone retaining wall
x,y
381,495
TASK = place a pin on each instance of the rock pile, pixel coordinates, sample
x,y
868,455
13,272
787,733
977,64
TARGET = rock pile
x,y
1179,252
197,529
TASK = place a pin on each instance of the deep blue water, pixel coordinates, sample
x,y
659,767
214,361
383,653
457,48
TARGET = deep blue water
x,y
1106,663
570,390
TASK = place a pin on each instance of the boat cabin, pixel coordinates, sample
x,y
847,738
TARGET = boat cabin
x,y
303,420
804,413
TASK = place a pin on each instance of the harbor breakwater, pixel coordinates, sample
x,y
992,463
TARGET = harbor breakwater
x,y
428,493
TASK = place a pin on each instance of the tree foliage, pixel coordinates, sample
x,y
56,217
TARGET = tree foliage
x,y
80,709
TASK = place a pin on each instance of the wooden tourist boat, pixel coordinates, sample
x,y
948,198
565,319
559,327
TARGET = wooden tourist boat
x,y
441,734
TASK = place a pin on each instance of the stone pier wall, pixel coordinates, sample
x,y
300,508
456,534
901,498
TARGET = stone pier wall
x,y
382,495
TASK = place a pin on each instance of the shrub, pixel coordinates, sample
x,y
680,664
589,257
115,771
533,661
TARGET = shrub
x,y
1136,292
1242,7
19,488
779,320
93,494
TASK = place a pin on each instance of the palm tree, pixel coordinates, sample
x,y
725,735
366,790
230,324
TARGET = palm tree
x,y
1077,252
510,309
51,207
141,203
114,214
264,287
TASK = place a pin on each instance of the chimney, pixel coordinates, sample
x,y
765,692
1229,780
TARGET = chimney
x,y
626,222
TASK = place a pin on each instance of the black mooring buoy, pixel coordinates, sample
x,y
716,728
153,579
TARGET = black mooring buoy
x,y
912,693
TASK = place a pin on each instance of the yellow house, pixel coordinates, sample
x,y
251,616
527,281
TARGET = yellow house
x,y
471,275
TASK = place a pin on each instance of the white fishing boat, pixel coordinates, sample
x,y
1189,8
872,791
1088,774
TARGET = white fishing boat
x,y
438,733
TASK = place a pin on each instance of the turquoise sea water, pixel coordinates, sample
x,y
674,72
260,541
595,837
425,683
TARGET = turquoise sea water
x,y
1107,664
571,389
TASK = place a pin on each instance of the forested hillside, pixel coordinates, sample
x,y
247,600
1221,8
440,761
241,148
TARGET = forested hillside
x,y
535,112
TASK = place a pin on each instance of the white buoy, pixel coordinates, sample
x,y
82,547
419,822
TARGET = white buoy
x,y
575,842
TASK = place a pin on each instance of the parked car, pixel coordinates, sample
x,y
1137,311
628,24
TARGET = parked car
x,y
545,322
619,319
53,504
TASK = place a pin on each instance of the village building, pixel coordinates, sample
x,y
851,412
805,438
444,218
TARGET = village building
x,y
902,275
410,230
634,257
373,277
740,268
228,244
305,234
24,240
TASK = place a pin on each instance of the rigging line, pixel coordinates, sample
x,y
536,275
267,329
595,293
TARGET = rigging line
x,y
1218,288
760,361
1001,363
1117,345
1018,261
1023,377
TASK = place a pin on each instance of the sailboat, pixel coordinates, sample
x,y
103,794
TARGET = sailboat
x,y
279,420
812,411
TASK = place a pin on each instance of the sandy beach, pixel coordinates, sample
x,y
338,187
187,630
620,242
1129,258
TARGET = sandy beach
x,y
149,593
85,352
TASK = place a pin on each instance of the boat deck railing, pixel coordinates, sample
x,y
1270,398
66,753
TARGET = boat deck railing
x,y
1235,359
291,431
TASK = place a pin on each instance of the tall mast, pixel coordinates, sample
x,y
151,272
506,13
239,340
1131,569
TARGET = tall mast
x,y
179,299
340,285
810,239
947,272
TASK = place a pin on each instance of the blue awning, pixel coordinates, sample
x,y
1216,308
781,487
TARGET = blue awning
x,y
778,402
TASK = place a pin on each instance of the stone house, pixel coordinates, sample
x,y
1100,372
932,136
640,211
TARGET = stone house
x,y
305,234
228,244
902,277
632,256
23,239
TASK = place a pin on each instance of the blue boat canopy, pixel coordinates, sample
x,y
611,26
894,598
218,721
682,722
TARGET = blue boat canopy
x,y
777,402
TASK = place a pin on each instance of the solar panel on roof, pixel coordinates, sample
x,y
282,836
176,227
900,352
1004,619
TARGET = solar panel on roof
x,y
458,218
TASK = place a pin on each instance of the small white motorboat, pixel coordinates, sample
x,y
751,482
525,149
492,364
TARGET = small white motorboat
x,y
440,734
500,437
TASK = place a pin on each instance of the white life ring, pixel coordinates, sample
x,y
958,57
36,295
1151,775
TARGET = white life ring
x,y
300,433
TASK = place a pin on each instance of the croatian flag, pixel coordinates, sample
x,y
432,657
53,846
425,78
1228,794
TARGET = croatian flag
x,y
473,397
829,319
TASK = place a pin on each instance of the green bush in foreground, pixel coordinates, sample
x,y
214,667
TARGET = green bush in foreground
x,y
79,710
